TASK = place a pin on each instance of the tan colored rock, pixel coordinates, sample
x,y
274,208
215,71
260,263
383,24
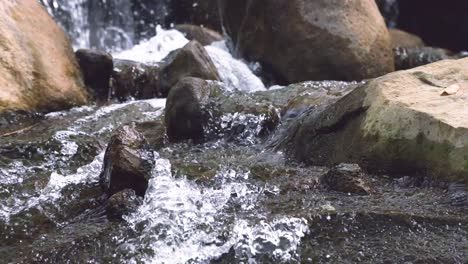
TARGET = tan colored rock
x,y
398,123
38,71
311,40
403,39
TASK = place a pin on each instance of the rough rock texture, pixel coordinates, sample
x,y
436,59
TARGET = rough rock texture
x,y
96,67
311,40
122,203
38,71
134,80
186,115
403,39
203,35
398,123
346,178
128,162
190,61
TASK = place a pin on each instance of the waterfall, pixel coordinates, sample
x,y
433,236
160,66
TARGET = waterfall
x,y
109,25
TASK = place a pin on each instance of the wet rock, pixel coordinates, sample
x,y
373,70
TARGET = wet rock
x,y
346,178
38,70
333,40
134,80
96,67
403,39
398,123
203,35
122,203
128,162
186,114
407,58
190,61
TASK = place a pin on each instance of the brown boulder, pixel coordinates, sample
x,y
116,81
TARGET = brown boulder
x,y
128,162
38,70
403,39
311,40
203,35
190,61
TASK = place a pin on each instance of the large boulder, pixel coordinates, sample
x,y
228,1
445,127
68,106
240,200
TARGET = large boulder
x,y
38,70
311,40
203,35
128,162
190,61
403,39
399,123
96,67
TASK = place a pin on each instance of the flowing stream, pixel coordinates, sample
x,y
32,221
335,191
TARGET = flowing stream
x,y
231,200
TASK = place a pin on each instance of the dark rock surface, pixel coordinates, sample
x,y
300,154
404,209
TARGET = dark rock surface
x,y
346,178
186,115
96,67
134,80
128,162
122,203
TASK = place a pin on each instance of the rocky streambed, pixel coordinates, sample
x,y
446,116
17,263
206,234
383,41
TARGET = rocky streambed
x,y
183,148
234,198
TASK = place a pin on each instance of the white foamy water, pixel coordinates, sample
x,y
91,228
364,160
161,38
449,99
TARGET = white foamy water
x,y
156,48
16,172
182,222
234,73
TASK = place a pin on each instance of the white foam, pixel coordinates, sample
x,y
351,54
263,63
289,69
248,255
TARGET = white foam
x,y
234,73
156,48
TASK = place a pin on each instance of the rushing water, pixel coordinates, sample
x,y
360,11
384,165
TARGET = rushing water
x,y
231,200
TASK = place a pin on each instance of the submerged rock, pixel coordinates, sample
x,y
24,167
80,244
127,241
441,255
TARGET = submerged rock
x,y
203,35
38,70
122,203
96,67
190,61
134,80
346,178
403,39
128,162
186,115
398,123
311,40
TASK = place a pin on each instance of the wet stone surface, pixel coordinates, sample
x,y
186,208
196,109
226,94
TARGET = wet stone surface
x,y
228,200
